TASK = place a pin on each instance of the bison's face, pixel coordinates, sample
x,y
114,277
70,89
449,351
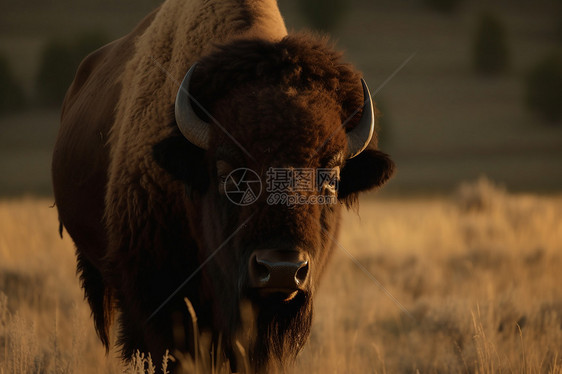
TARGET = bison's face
x,y
271,198
267,169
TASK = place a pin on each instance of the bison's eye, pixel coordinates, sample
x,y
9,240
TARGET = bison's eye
x,y
223,171
329,180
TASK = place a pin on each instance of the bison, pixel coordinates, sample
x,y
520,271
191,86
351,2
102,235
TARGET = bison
x,y
152,128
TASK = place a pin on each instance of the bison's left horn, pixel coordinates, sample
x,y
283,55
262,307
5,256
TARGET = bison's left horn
x,y
358,139
191,126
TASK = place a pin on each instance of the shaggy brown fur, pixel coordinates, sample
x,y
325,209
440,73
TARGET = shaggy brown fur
x,y
283,98
81,162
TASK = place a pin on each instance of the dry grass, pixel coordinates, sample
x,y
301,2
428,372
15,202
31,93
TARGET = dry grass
x,y
478,272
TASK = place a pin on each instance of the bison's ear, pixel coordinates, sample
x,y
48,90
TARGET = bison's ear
x,y
183,160
368,170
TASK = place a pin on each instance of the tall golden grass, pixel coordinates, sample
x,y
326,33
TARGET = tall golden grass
x,y
468,283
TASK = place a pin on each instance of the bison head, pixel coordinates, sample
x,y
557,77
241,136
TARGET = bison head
x,y
273,138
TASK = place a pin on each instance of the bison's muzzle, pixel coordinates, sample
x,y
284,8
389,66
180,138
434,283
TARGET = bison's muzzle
x,y
278,272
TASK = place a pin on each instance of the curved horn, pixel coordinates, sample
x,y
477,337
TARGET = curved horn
x,y
191,126
360,136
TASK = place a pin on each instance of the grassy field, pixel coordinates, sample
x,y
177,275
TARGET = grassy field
x,y
474,279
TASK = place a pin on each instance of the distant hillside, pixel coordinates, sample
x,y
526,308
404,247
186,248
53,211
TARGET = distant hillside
x,y
442,122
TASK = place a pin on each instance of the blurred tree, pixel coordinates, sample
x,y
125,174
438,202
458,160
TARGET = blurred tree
x,y
559,24
59,62
88,42
56,70
11,93
490,50
323,15
445,6
543,88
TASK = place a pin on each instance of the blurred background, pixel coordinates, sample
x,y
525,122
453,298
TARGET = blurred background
x,y
467,88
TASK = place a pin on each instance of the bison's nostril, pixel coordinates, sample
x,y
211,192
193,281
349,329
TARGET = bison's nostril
x,y
301,274
261,271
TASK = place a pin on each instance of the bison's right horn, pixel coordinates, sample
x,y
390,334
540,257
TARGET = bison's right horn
x,y
358,139
191,126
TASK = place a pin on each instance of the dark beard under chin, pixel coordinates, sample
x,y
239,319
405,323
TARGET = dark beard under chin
x,y
280,331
